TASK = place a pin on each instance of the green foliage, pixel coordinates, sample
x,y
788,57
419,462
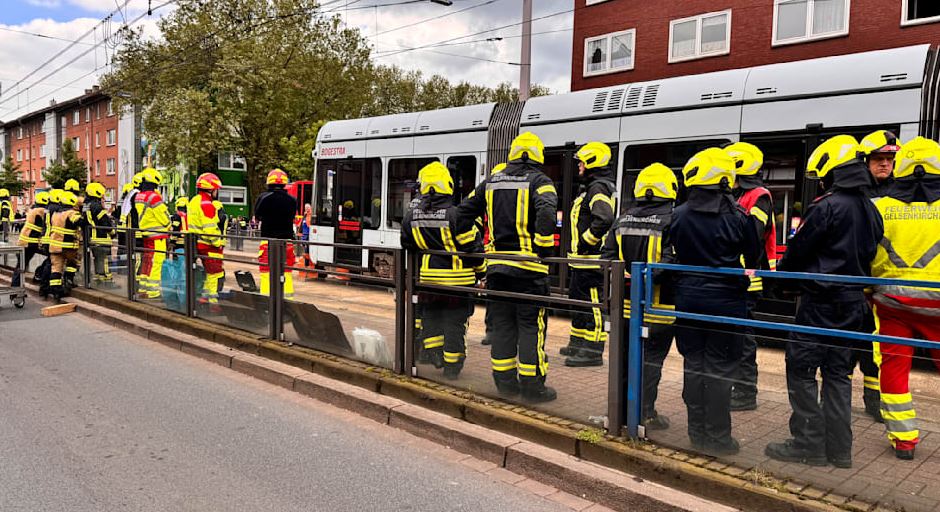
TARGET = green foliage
x,y
590,435
69,167
10,177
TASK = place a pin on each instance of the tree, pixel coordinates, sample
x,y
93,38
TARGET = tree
x,y
69,167
10,177
243,76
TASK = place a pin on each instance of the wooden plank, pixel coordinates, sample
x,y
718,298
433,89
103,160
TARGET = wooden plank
x,y
58,309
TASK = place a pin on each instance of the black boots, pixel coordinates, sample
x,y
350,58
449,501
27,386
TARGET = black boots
x,y
586,355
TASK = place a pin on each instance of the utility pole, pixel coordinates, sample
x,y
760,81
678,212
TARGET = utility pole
x,y
525,60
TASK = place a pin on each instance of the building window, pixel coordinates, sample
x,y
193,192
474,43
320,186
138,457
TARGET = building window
x,y
97,110
76,118
97,139
110,109
705,35
19,155
76,143
112,137
233,195
42,151
915,12
230,161
797,21
97,167
87,114
592,2
111,167
19,133
609,53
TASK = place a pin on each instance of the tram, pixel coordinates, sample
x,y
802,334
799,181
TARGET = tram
x,y
366,169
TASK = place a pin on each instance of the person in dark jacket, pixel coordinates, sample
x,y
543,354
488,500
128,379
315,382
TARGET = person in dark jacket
x,y
431,225
591,215
839,235
711,229
97,218
275,210
642,234
520,204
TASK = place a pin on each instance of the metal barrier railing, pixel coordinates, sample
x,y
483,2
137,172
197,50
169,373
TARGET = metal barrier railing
x,y
641,295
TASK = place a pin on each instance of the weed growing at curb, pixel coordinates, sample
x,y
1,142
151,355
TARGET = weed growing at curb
x,y
590,435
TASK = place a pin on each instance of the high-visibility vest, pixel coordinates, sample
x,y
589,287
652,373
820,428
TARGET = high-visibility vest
x,y
203,218
591,216
152,214
910,249
99,221
6,210
748,201
35,226
65,226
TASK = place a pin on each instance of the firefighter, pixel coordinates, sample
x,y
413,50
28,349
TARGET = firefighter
x,y
911,215
203,217
178,225
6,213
481,226
153,219
63,245
275,210
31,235
757,201
72,185
879,148
53,207
520,204
711,229
97,218
431,225
641,234
839,234
591,216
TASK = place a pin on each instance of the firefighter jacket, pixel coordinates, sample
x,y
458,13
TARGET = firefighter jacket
x,y
910,248
839,234
66,230
51,210
6,210
35,226
431,225
711,230
642,235
178,227
152,214
520,204
591,216
275,210
129,217
757,201
99,221
204,220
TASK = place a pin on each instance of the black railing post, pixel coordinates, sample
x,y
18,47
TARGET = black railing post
x,y
411,300
617,367
131,265
87,257
401,311
276,255
189,264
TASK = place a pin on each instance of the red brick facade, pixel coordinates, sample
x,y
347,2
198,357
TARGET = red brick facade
x,y
90,123
873,25
27,147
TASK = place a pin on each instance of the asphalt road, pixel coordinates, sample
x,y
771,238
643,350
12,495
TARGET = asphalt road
x,y
92,418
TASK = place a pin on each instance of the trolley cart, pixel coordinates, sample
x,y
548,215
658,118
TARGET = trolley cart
x,y
13,255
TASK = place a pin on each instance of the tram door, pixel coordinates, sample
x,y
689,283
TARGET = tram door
x,y
350,200
561,168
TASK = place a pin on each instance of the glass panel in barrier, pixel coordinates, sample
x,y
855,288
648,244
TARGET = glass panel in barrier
x,y
347,314
489,363
814,418
108,265
228,289
160,274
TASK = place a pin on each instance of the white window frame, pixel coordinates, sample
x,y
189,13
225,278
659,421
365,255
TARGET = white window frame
x,y
111,137
97,139
808,37
110,166
229,188
42,151
97,168
698,37
110,108
76,117
19,155
77,144
592,2
230,163
610,39
19,133
87,114
909,23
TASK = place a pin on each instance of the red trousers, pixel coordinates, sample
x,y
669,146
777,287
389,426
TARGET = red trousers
x,y
263,256
897,404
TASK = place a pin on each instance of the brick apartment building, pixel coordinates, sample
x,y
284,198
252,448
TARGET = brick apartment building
x,y
625,41
101,137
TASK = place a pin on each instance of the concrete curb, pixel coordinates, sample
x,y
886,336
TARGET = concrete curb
x,y
554,454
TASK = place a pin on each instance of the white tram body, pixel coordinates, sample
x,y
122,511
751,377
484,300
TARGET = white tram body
x,y
366,169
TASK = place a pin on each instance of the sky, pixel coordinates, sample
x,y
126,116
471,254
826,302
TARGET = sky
x,y
453,44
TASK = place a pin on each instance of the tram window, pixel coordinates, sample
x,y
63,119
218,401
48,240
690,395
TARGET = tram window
x,y
402,186
373,193
463,169
783,164
325,175
671,154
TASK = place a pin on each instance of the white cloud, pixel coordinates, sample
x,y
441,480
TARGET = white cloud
x,y
49,4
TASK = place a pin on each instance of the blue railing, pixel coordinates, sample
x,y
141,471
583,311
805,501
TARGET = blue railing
x,y
641,303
